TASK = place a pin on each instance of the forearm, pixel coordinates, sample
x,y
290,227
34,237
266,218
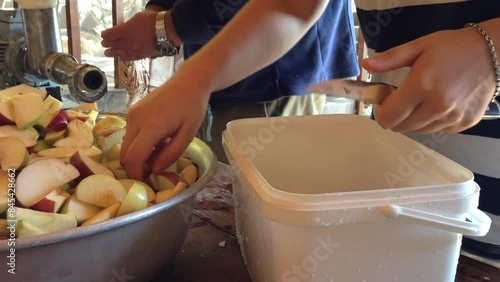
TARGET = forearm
x,y
261,33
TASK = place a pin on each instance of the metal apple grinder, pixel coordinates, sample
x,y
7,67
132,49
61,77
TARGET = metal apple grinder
x,y
375,93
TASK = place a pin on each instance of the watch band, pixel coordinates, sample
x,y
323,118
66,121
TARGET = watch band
x,y
164,46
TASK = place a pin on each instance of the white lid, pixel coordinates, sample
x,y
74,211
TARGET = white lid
x,y
36,4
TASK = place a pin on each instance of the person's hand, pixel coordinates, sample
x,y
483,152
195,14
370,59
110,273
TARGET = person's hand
x,y
133,40
449,86
172,112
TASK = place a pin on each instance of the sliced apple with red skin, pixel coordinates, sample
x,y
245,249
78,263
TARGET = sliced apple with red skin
x,y
90,122
72,114
26,109
79,136
51,137
190,174
36,223
100,190
113,139
5,115
104,215
53,202
166,180
128,183
136,200
13,153
39,178
165,195
87,166
80,209
28,135
53,117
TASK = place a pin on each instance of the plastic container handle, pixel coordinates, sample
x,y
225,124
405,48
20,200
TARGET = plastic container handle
x,y
478,225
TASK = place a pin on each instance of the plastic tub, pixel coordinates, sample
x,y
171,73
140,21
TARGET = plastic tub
x,y
337,198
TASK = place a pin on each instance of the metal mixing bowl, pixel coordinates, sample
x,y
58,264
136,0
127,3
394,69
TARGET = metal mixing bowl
x,y
134,247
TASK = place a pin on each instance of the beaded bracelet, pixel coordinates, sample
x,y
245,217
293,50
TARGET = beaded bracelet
x,y
493,53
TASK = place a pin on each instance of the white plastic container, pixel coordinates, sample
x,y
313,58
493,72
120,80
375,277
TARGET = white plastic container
x,y
337,198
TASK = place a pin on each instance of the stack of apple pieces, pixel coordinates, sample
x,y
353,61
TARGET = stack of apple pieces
x,y
67,166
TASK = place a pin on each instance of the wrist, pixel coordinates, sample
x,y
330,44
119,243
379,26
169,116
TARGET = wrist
x,y
170,30
164,44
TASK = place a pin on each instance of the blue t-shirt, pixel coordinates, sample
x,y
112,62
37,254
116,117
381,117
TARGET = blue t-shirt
x,y
327,51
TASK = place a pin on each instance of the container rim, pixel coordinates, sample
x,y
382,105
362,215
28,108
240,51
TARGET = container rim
x,y
342,200
207,162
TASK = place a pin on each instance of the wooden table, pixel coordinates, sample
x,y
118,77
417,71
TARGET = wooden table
x,y
211,253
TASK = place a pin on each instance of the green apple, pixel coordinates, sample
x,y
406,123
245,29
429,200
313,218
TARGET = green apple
x,y
36,223
106,214
80,209
100,190
39,178
40,145
128,183
136,200
26,109
13,153
79,136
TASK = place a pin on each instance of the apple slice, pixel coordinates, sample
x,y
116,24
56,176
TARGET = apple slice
x,y
190,174
39,178
4,232
86,107
92,119
165,195
77,115
52,202
100,190
22,89
51,137
182,163
80,209
28,135
166,180
119,173
79,136
40,145
87,166
114,165
26,109
113,153
136,200
128,183
13,153
37,223
106,214
6,117
53,117
113,139
107,123
63,154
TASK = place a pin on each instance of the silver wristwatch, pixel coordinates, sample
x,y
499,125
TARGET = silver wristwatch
x,y
165,47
